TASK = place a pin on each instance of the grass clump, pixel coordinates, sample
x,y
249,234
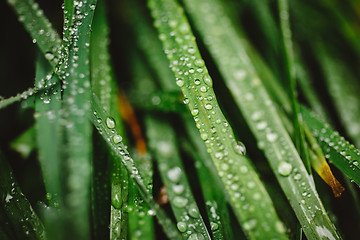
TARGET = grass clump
x,y
181,120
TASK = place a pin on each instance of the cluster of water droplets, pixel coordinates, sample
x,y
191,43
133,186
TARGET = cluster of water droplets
x,y
189,222
336,144
192,77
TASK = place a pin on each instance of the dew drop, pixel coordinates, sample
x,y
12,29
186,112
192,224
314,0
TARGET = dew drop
x,y
208,81
180,202
203,89
110,122
117,139
178,189
284,168
174,174
186,101
214,226
271,137
208,106
250,224
243,169
240,148
204,136
180,82
165,148
191,50
196,236
181,226
195,112
239,75
219,155
193,212
8,198
151,212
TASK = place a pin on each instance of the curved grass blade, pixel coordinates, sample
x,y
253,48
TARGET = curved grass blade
x,y
225,46
39,27
16,207
340,152
320,165
162,142
20,96
196,84
105,126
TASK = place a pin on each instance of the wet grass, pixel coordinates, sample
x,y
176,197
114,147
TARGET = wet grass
x,y
200,119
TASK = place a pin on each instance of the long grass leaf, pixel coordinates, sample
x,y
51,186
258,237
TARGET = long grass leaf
x,y
196,84
211,185
103,84
16,207
260,113
162,140
76,106
291,77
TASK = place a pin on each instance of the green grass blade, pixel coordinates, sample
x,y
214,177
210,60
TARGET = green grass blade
x,y
15,206
260,113
76,106
49,135
211,185
340,152
39,27
196,84
308,89
19,97
344,90
162,141
103,85
105,126
291,78
141,225
49,141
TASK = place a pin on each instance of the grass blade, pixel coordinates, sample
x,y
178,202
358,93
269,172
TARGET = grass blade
x,y
162,142
344,90
76,106
291,77
39,27
16,207
196,84
340,152
250,95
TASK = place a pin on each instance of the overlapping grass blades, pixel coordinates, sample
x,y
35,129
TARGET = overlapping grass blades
x,y
340,152
254,102
107,184
105,125
196,85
